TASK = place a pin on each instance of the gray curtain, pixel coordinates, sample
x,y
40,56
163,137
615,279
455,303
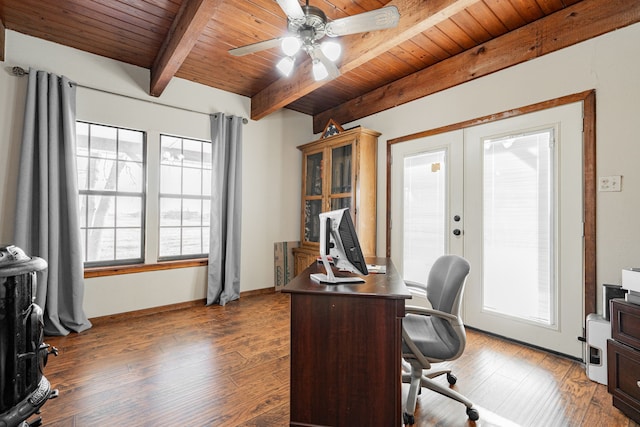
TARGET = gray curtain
x,y
46,218
226,209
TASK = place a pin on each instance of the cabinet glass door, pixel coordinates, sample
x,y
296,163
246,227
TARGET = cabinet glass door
x,y
341,170
341,160
314,175
340,203
313,196
312,210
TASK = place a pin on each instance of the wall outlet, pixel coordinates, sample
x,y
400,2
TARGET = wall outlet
x,y
609,183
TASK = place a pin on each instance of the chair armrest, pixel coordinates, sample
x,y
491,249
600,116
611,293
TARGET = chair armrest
x,y
416,285
417,289
430,312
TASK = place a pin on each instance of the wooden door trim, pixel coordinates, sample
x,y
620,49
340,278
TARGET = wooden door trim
x,y
588,98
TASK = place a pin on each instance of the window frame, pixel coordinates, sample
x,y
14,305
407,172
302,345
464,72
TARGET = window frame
x,y
201,197
116,270
87,192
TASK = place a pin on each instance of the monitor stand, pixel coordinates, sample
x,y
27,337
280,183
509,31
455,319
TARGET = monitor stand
x,y
330,278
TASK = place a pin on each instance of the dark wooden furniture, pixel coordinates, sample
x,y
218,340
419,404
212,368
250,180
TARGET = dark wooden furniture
x,y
623,358
346,350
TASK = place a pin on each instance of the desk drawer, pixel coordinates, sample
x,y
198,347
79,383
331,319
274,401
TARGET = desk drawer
x,y
625,323
624,376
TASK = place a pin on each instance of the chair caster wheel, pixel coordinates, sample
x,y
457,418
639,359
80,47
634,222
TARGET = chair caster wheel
x,y
451,378
473,414
409,420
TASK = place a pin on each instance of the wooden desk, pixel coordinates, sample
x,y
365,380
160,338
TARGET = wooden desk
x,y
346,350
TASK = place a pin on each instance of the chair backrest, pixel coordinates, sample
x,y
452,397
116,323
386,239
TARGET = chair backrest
x,y
445,287
446,281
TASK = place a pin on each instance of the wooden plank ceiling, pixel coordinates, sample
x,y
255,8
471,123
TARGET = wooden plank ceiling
x,y
436,45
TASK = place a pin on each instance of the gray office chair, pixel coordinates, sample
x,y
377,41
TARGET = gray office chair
x,y
436,334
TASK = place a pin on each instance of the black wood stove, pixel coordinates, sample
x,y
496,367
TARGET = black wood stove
x,y
23,354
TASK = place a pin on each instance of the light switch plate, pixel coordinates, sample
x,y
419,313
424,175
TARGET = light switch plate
x,y
609,183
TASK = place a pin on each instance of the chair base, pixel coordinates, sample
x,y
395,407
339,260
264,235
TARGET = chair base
x,y
419,378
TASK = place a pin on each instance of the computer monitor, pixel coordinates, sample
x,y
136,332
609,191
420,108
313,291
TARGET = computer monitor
x,y
338,240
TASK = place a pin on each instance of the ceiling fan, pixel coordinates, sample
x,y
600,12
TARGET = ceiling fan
x,y
307,25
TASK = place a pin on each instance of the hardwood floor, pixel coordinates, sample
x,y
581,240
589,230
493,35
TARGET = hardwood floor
x,y
229,366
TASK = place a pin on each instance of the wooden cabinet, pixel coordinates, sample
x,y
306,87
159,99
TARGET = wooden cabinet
x,y
623,358
338,172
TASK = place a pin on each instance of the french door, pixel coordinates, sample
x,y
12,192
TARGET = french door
x,y
427,206
507,196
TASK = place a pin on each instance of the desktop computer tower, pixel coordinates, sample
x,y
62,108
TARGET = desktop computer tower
x,y
598,332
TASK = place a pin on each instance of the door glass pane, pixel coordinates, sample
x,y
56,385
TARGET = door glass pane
x,y
314,175
424,213
518,227
341,169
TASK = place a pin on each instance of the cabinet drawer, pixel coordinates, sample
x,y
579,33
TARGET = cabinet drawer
x,y
624,372
625,322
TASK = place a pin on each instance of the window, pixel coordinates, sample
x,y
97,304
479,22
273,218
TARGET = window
x,y
425,212
112,164
518,226
185,197
111,174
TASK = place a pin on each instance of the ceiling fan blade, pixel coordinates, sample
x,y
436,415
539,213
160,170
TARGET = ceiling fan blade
x,y
291,8
379,19
331,67
255,47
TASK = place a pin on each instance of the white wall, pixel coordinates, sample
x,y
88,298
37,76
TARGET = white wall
x,y
271,164
609,64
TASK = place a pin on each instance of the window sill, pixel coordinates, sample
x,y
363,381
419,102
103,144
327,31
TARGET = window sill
x,y
141,268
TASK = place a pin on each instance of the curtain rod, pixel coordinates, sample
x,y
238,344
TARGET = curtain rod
x,y
20,72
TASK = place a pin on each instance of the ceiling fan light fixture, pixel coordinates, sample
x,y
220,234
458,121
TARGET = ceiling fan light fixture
x,y
308,25
291,45
319,70
285,65
331,50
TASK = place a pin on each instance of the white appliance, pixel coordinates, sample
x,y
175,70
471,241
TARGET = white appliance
x,y
631,279
598,332
631,282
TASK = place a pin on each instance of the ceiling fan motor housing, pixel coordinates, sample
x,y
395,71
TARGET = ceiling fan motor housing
x,y
311,27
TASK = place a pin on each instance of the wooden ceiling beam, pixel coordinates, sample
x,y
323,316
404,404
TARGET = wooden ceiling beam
x,y
189,23
577,23
2,39
416,16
